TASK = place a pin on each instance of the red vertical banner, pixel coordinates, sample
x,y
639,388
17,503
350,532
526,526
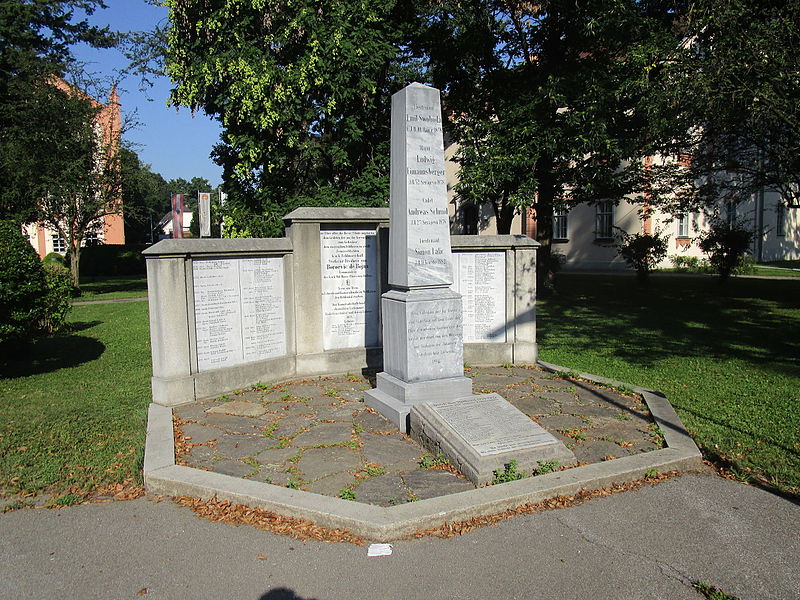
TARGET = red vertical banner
x,y
177,216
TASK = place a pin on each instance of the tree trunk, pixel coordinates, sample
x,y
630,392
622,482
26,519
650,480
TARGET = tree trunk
x,y
74,265
545,271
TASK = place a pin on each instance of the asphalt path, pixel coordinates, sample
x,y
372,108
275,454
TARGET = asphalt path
x,y
648,544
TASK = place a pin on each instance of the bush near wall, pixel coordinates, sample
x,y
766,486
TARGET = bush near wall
x,y
22,285
113,260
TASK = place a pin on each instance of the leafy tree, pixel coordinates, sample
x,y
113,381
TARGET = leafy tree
x,y
546,100
642,251
735,83
145,197
303,96
86,186
726,245
36,38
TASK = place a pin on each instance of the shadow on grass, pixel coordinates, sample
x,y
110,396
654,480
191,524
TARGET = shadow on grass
x,y
111,284
48,354
676,316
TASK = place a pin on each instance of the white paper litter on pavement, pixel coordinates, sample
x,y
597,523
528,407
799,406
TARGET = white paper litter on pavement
x,y
379,550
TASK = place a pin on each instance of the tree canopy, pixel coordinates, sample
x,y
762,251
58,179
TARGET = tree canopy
x,y
734,87
302,90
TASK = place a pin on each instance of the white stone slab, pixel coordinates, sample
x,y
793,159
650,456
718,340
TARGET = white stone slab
x,y
419,239
349,266
480,278
239,311
480,434
491,425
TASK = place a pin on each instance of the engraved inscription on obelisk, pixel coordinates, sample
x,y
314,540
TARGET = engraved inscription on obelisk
x,y
422,328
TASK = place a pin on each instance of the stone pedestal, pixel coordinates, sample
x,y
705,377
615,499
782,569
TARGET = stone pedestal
x,y
423,346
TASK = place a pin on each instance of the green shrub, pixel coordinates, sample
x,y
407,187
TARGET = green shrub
x,y
54,258
642,251
726,245
22,285
57,301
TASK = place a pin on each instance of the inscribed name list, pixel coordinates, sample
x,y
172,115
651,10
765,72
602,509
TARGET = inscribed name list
x,y
480,278
239,311
349,261
419,192
491,425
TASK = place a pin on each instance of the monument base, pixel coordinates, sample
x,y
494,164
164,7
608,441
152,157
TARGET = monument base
x,y
393,398
483,433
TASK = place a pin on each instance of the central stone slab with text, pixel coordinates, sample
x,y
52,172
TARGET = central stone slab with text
x,y
423,346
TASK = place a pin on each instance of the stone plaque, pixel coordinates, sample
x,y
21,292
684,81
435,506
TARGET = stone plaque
x,y
349,265
434,342
419,246
490,425
239,313
480,278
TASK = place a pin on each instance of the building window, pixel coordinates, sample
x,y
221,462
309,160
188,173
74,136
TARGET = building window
x,y
560,225
780,219
59,244
683,226
604,224
91,238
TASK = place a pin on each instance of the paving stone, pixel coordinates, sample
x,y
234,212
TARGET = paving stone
x,y
199,434
272,476
307,390
287,426
644,446
234,468
392,451
557,384
383,490
324,433
352,395
340,412
620,431
560,397
561,422
590,410
371,421
239,408
192,412
234,424
595,451
432,483
316,463
332,484
199,456
496,379
535,406
275,458
288,408
241,446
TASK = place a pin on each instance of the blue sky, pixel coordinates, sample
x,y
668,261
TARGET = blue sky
x,y
173,142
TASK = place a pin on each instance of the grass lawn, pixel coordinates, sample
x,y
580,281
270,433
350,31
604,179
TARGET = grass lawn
x,y
728,358
108,288
73,409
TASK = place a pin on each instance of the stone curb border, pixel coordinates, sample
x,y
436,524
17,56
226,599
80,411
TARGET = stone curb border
x,y
163,476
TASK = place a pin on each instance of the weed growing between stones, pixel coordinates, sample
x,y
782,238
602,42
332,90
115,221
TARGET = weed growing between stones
x,y
509,473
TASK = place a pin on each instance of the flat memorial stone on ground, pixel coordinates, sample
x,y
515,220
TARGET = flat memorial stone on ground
x,y
481,434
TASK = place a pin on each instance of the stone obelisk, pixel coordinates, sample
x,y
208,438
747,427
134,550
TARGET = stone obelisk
x,y
422,329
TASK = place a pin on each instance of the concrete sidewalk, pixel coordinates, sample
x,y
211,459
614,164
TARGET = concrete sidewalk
x,y
652,543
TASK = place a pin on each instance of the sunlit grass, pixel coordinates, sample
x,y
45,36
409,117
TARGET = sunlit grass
x,y
726,356
73,405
